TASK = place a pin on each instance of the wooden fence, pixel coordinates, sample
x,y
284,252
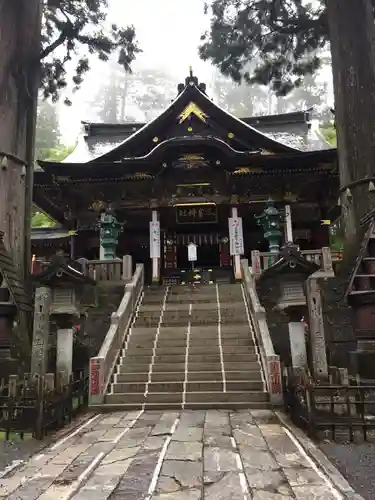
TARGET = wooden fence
x,y
333,411
38,405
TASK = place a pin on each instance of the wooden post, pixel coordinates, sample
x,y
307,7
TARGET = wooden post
x,y
316,329
39,354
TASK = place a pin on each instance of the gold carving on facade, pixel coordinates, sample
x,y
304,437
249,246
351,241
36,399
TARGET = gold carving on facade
x,y
247,170
192,109
289,196
265,152
97,205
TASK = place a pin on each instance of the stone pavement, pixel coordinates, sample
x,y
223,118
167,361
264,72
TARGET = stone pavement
x,y
186,455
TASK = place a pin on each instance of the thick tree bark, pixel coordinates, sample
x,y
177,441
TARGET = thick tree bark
x,y
20,27
351,26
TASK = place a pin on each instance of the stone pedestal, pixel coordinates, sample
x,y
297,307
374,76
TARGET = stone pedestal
x,y
297,344
39,354
316,329
64,352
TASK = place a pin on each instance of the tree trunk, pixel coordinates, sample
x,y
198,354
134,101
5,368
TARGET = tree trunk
x,y
351,26
20,27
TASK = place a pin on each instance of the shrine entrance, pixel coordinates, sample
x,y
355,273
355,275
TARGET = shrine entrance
x,y
208,250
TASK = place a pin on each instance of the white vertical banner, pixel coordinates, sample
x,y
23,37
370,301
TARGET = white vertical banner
x,y
192,252
236,245
288,224
154,239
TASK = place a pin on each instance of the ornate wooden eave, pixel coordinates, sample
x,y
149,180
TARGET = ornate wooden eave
x,y
211,149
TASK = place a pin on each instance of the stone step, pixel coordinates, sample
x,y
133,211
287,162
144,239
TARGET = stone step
x,y
125,367
197,386
254,375
237,331
240,396
216,405
192,358
166,349
197,344
190,397
185,308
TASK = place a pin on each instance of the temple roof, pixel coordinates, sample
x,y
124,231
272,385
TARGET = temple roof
x,y
292,129
194,114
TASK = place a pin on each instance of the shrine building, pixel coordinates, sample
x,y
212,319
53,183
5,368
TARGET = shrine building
x,y
191,172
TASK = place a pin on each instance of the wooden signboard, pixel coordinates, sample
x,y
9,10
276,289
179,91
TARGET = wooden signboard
x,y
196,214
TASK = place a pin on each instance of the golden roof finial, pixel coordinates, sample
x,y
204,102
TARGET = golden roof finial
x,y
191,71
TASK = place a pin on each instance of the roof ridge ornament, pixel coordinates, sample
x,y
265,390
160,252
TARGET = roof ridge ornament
x,y
191,81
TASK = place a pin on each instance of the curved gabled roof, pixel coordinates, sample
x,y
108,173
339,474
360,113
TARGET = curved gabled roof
x,y
134,145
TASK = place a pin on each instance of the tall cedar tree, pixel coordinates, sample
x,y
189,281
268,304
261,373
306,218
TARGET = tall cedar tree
x,y
288,36
38,38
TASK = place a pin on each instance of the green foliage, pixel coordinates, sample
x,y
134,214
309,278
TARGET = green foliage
x,y
60,153
47,130
329,133
75,27
149,90
285,35
240,100
40,219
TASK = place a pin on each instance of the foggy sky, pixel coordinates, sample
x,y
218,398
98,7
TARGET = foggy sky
x,y
169,34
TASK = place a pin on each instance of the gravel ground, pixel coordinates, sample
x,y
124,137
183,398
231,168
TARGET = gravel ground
x,y
356,462
11,451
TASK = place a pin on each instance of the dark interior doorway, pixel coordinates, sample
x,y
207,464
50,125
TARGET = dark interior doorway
x,y
208,255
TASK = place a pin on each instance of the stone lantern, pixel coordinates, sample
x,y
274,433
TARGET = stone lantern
x,y
288,278
64,293
110,230
270,220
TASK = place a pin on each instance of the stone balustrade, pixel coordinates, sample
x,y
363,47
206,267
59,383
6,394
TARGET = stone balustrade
x,y
269,359
101,366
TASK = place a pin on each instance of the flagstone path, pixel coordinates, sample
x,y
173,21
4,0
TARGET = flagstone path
x,y
187,455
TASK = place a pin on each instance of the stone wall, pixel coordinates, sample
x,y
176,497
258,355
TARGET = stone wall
x,y
276,320
338,322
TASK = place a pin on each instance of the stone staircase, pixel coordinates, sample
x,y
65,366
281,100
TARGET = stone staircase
x,y
190,348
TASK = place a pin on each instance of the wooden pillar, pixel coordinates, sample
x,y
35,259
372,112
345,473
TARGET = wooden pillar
x,y
316,329
39,354
155,246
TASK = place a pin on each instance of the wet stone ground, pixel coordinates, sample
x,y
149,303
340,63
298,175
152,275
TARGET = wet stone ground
x,y
188,455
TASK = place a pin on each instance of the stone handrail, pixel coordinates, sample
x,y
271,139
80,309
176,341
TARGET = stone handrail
x,y
102,366
269,359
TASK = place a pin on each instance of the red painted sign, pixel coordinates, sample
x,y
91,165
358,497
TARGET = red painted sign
x,y
95,377
275,376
